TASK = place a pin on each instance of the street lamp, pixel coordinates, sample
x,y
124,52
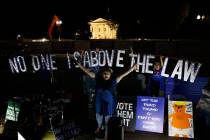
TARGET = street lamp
x,y
58,24
201,17
198,17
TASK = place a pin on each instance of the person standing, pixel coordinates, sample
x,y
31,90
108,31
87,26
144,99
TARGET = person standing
x,y
105,100
156,81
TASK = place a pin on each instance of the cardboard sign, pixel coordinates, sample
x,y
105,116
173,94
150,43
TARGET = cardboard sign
x,y
20,137
13,110
126,108
150,114
1,128
180,115
66,130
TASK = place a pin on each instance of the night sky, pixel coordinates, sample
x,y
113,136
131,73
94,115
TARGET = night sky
x,y
149,18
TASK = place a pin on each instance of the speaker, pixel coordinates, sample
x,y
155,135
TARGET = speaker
x,y
115,129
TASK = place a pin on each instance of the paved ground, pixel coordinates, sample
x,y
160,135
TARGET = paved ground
x,y
135,136
201,132
138,135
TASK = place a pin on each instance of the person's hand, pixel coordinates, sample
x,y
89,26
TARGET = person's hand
x,y
78,63
135,67
161,57
75,61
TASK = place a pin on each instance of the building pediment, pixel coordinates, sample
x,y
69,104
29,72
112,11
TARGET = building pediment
x,y
100,20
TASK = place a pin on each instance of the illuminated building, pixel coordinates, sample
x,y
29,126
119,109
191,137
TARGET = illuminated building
x,y
103,29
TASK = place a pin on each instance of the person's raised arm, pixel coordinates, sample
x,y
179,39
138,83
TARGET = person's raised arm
x,y
119,78
87,71
161,61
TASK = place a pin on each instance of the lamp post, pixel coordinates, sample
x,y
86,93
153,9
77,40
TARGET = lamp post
x,y
201,17
58,24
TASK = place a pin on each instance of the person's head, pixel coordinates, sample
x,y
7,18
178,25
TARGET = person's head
x,y
157,66
106,73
